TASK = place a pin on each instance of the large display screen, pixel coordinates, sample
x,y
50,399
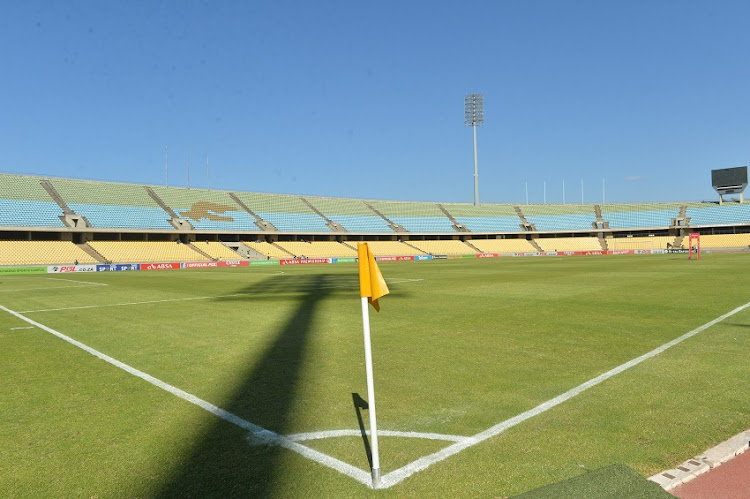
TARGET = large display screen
x,y
729,176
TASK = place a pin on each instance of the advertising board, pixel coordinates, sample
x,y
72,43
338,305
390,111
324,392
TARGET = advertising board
x,y
160,266
126,266
303,261
23,270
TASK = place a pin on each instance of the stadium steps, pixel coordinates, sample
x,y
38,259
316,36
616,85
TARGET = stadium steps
x,y
291,255
329,223
196,249
174,220
352,245
599,218
525,225
678,241
262,224
69,218
414,247
535,245
161,203
598,212
603,243
394,226
457,226
478,251
91,251
683,214
244,251
56,196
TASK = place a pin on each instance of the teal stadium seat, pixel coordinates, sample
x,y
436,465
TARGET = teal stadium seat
x,y
726,214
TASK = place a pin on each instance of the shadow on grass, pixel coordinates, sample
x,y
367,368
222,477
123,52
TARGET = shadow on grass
x,y
222,463
360,405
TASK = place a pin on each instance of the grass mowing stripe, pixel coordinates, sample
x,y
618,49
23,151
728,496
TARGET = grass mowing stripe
x,y
420,464
259,433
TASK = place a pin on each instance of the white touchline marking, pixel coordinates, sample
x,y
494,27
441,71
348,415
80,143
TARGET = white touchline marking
x,y
21,327
267,435
46,288
167,300
75,280
260,434
420,464
126,304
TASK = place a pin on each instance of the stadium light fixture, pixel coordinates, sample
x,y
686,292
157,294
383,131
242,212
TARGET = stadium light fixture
x,y
474,117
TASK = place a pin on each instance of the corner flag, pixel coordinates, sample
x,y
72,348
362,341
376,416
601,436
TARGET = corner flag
x,y
371,283
371,287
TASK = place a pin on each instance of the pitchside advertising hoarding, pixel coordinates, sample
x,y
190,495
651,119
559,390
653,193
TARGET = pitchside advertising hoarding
x,y
304,261
61,269
23,270
58,269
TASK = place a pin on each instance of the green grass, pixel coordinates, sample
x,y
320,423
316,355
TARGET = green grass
x,y
471,344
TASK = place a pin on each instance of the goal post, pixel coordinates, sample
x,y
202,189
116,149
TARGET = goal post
x,y
694,242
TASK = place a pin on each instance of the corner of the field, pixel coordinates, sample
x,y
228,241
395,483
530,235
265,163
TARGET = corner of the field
x,y
703,463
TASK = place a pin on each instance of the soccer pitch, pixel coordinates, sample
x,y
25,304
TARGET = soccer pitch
x,y
527,370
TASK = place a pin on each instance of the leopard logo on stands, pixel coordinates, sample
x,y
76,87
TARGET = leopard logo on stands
x,y
209,211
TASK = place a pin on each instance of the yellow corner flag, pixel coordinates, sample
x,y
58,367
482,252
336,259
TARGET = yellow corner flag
x,y
371,282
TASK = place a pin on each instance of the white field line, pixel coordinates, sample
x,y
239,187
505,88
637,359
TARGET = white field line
x,y
404,472
21,327
315,435
125,304
75,280
395,477
260,432
167,300
46,288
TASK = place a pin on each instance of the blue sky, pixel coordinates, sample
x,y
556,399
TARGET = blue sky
x,y
358,99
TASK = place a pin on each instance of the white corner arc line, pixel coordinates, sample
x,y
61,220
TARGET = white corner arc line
x,y
319,457
422,463
316,435
397,476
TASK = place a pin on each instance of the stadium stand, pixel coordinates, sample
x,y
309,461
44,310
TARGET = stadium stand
x,y
207,210
317,249
726,214
216,250
728,241
28,203
112,205
560,217
25,203
640,243
444,247
415,217
145,251
352,214
286,213
569,244
486,217
42,253
391,248
645,215
503,245
268,250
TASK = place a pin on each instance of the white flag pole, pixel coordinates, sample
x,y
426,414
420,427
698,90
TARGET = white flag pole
x,y
371,396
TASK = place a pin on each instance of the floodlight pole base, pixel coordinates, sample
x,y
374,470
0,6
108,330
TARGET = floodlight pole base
x,y
376,478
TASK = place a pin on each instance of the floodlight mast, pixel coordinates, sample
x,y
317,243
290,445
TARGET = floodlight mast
x,y
474,117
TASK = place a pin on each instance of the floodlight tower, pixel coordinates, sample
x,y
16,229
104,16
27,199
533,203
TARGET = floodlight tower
x,y
474,117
